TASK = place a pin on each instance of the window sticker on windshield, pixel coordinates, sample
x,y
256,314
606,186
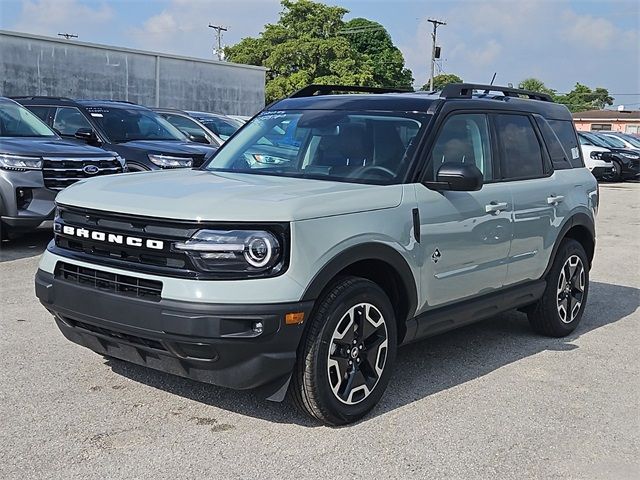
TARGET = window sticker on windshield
x,y
272,114
97,115
575,153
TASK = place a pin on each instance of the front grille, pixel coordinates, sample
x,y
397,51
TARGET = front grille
x,y
110,282
61,172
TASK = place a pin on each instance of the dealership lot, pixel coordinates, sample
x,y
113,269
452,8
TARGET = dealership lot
x,y
490,400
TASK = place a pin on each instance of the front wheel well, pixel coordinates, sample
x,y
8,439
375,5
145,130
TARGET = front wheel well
x,y
387,278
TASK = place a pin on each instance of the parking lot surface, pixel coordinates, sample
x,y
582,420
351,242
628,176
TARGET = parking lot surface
x,y
492,400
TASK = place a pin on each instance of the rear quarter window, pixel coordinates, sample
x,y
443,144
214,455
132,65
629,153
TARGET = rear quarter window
x,y
559,157
566,133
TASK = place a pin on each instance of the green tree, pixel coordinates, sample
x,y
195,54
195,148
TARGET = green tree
x,y
372,40
535,85
305,46
440,81
583,98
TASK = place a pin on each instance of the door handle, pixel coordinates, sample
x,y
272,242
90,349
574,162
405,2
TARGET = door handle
x,y
494,207
555,199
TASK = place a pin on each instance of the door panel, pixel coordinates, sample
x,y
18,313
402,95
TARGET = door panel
x,y
465,245
540,208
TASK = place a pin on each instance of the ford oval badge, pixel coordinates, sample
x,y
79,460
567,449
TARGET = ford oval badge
x,y
90,169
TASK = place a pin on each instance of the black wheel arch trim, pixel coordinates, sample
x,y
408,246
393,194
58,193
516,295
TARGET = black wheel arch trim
x,y
363,252
578,219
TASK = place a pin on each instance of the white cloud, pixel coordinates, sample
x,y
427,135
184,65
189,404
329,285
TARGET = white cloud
x,y
50,17
182,27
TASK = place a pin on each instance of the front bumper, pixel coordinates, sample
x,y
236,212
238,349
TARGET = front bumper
x,y
602,171
28,214
212,343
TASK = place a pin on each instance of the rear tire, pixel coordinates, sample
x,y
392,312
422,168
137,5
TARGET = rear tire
x,y
347,353
560,309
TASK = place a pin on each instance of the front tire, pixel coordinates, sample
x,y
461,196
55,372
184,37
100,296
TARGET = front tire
x,y
560,309
347,353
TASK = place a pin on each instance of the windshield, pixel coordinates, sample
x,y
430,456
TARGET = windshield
x,y
17,121
592,139
612,141
360,147
123,124
222,127
632,140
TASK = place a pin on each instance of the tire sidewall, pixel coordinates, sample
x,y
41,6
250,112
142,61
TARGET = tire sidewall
x,y
363,291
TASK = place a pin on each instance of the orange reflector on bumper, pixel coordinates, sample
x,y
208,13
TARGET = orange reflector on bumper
x,y
295,318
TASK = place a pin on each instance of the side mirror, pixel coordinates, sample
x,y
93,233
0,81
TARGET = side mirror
x,y
197,138
457,177
86,134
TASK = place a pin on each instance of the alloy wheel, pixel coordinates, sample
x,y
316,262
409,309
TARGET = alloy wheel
x,y
357,353
570,290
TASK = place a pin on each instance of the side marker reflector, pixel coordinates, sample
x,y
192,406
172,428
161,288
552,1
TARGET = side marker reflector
x,y
295,318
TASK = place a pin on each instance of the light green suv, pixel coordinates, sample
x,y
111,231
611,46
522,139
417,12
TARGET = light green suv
x,y
325,233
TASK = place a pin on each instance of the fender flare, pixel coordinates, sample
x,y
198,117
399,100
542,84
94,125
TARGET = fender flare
x,y
357,253
579,219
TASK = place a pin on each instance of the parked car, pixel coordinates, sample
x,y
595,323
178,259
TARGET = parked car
x,y
221,125
400,216
626,162
622,140
598,161
142,137
35,164
195,130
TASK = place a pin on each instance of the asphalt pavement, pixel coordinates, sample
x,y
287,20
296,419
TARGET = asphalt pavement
x,y
492,400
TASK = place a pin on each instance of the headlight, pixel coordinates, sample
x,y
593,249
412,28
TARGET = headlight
x,y
234,251
633,156
596,155
165,161
269,159
19,163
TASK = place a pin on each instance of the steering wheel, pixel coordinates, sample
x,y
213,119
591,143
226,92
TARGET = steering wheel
x,y
374,168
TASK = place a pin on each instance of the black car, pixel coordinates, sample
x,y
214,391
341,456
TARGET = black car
x,y
625,161
220,124
138,134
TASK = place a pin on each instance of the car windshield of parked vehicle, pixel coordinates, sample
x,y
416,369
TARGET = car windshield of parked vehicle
x,y
612,141
592,139
359,147
17,121
127,124
222,127
635,141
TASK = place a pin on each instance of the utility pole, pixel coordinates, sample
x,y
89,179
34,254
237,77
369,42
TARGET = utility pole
x,y
219,29
67,35
436,24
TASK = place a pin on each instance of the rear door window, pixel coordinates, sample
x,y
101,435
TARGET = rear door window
x,y
41,112
566,133
521,151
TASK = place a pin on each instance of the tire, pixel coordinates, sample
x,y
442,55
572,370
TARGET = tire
x,y
557,313
616,176
342,371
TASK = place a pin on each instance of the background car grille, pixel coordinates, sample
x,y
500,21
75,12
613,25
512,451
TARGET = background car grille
x,y
61,172
111,282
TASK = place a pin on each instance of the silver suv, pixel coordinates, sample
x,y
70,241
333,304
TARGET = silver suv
x,y
328,231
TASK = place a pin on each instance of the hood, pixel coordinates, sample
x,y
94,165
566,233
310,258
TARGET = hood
x,y
227,197
168,147
49,147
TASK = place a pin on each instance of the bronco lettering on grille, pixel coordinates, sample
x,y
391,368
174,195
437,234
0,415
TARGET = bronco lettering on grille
x,y
116,239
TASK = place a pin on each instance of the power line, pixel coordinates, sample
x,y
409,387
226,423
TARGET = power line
x,y
436,24
219,29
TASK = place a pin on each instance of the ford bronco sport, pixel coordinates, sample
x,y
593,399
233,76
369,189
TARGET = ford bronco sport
x,y
302,267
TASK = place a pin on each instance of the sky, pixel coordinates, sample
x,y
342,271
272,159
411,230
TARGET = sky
x,y
558,41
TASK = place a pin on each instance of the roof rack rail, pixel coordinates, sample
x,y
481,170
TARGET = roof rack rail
x,y
314,89
43,97
465,90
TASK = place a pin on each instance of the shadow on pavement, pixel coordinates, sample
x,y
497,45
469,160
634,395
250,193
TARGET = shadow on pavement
x,y
422,368
29,245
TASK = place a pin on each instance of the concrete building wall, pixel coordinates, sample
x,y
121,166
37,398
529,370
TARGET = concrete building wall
x,y
36,65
